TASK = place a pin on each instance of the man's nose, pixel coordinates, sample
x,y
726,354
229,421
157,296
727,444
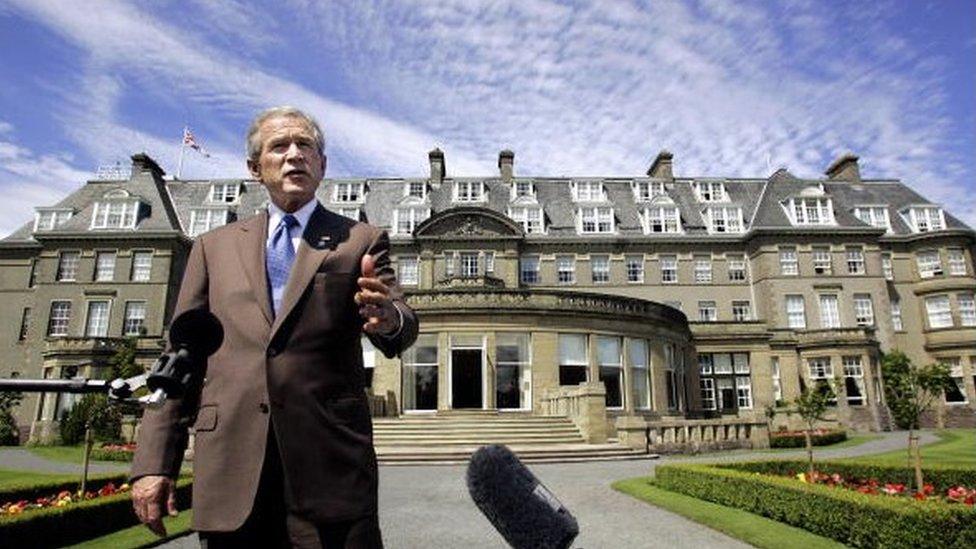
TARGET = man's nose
x,y
294,152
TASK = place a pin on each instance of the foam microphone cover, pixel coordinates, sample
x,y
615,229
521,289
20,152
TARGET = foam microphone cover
x,y
523,511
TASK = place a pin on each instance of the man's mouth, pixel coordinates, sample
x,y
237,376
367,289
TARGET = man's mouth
x,y
295,171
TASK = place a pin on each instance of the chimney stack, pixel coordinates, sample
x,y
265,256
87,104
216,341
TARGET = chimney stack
x,y
506,165
661,167
143,163
438,169
845,168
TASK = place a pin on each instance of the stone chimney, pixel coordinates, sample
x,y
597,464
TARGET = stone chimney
x,y
506,165
661,167
142,163
845,168
437,167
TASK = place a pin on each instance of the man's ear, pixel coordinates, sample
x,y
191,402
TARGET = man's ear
x,y
255,168
324,162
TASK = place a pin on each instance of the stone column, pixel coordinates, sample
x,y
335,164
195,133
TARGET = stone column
x,y
592,417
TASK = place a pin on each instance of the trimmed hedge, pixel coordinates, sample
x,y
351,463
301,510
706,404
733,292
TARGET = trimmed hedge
x,y
61,526
32,491
104,454
798,440
852,518
942,478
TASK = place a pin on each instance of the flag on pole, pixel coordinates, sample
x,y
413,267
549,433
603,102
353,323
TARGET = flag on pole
x,y
191,142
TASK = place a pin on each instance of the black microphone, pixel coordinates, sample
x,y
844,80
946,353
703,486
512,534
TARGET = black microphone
x,y
523,511
193,336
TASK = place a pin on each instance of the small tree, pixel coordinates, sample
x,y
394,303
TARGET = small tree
x,y
123,361
812,406
910,392
9,434
106,420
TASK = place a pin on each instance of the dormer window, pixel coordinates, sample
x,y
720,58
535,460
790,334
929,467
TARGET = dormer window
x,y
876,216
524,190
645,191
469,191
205,219
406,219
117,210
923,219
661,219
352,212
415,189
347,192
810,210
723,219
529,217
710,191
595,220
47,219
588,191
225,192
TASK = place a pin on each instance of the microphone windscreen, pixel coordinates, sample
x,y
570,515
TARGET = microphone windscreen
x,y
523,511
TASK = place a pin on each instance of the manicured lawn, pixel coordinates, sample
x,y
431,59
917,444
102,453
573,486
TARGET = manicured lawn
x,y
19,478
957,448
138,536
753,529
67,454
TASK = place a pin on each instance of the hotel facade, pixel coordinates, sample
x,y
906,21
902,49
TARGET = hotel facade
x,y
669,298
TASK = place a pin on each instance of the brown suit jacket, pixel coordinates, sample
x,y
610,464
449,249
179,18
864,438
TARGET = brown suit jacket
x,y
299,373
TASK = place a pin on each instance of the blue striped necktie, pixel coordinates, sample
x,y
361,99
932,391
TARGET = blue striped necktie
x,y
281,254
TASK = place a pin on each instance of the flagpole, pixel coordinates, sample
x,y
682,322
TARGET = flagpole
x,y
179,168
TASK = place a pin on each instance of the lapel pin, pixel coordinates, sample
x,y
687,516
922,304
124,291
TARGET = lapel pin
x,y
323,240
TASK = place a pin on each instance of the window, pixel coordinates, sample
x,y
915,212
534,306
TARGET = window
x,y
48,219
661,219
896,315
810,211
469,191
788,264
566,269
829,311
853,380
957,262
725,383
743,392
25,320
741,311
225,192
572,359
876,216
710,191
723,220
703,269
929,263
588,191
595,220
420,374
644,191
408,270
405,220
104,266
141,266
796,316
737,267
671,357
205,219
469,264
955,393
669,269
707,385
967,309
923,219
609,360
822,262
68,266
347,192
57,324
855,261
938,311
523,189
777,380
513,372
115,215
135,318
635,268
97,323
637,351
489,262
416,189
863,310
600,268
886,266
529,269
529,217
707,312
820,368
32,276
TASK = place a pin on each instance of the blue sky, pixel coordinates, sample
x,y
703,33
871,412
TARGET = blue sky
x,y
731,88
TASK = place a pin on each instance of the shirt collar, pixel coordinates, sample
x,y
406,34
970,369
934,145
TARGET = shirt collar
x,y
303,214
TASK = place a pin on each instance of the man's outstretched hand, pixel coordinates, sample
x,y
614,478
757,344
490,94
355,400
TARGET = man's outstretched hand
x,y
152,496
373,298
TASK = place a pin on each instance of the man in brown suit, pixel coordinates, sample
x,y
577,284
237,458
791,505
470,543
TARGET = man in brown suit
x,y
283,452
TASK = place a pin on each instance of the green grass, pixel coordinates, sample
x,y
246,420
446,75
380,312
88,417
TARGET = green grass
x,y
748,527
139,536
956,448
67,454
9,478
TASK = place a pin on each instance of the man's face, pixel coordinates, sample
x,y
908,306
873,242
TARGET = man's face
x,y
289,165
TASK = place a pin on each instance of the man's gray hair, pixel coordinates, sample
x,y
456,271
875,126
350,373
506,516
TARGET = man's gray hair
x,y
254,143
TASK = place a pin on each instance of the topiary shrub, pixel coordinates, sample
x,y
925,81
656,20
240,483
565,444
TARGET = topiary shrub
x,y
794,439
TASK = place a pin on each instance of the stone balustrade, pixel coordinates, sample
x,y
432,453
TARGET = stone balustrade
x,y
691,435
585,404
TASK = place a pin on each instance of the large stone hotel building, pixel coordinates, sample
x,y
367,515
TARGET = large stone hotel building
x,y
662,297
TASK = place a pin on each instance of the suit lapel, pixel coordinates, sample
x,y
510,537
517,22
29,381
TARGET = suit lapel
x,y
318,240
251,250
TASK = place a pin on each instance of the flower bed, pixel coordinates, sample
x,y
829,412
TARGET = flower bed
x,y
35,490
853,518
797,439
62,499
941,478
114,452
954,494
